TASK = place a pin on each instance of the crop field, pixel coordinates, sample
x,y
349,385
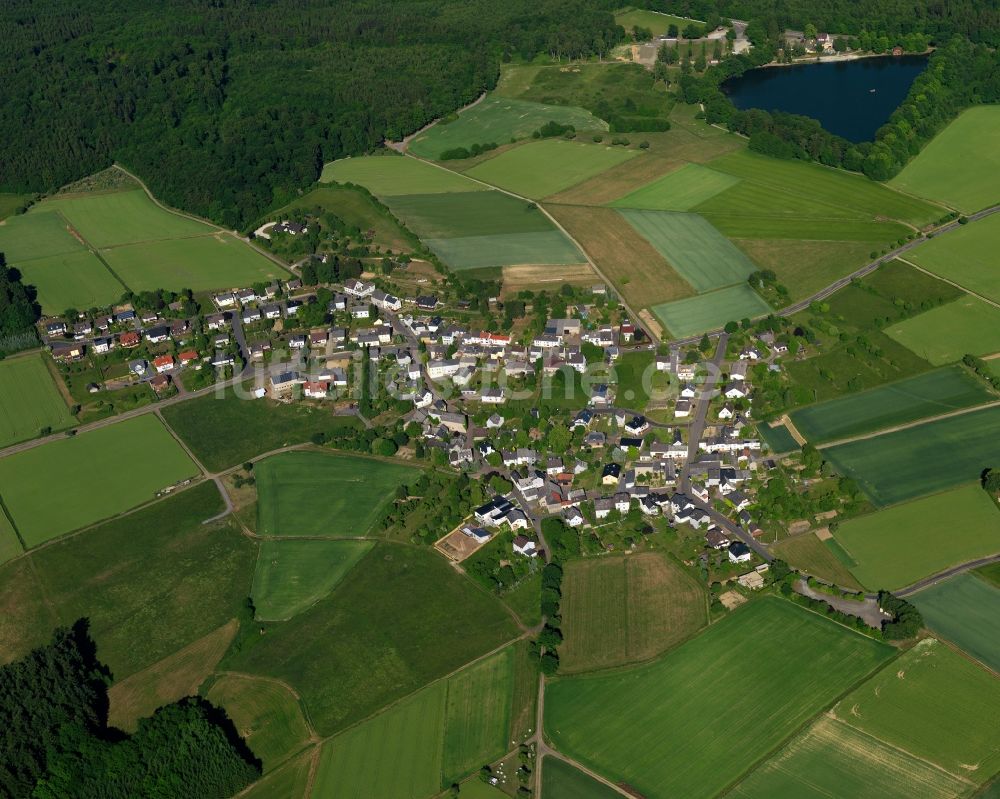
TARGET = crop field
x,y
39,234
966,610
499,120
291,781
653,20
10,546
808,229
541,168
907,400
71,280
925,459
778,438
320,494
699,253
710,311
805,266
947,333
113,468
809,554
959,164
619,610
896,547
969,256
666,730
293,575
477,252
681,190
450,215
387,176
561,781
29,400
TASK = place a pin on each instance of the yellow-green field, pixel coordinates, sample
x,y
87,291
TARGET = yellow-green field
x,y
29,400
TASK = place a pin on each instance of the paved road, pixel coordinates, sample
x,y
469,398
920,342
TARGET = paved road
x,y
927,582
867,610
701,402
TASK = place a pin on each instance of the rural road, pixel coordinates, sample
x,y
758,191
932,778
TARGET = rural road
x,y
868,610
927,582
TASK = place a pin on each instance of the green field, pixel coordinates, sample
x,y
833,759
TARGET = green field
x,y
39,234
71,280
468,213
561,781
10,546
925,459
681,190
945,334
967,256
710,311
896,547
387,176
9,203
29,400
907,400
499,120
959,164
541,168
778,438
865,231
653,20
291,781
293,575
807,553
476,252
693,721
321,494
966,610
105,472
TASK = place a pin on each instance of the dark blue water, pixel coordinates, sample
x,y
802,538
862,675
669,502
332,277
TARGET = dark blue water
x,y
838,94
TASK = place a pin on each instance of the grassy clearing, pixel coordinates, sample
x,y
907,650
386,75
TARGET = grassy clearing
x,y
805,267
387,176
9,203
29,400
681,190
561,781
72,280
967,256
36,235
293,575
959,164
667,730
966,610
468,213
477,252
710,311
291,781
807,553
945,334
113,469
619,610
652,20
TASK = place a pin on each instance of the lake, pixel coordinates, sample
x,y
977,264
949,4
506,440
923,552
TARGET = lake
x,y
837,93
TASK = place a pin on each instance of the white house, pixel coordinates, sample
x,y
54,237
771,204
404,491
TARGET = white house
x,y
739,552
525,546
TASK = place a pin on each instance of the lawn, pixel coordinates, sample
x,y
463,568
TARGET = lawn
x,y
469,213
386,176
71,280
477,252
541,168
105,472
681,190
896,547
619,610
965,609
694,315
959,165
925,459
967,256
929,394
693,721
808,554
561,781
652,20
36,235
29,400
325,494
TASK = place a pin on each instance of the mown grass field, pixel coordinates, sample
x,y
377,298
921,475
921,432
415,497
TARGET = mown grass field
x,y
561,781
39,234
681,190
469,213
10,545
807,553
10,202
945,334
925,459
900,545
293,575
29,400
71,280
965,609
958,166
386,176
653,20
619,610
809,229
710,311
691,722
324,494
778,438
967,256
477,252
907,400
112,469
291,781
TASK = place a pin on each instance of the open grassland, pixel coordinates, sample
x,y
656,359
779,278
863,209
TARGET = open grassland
x,y
477,252
908,400
805,267
652,20
560,780
680,190
541,168
900,545
928,458
711,311
291,781
945,334
960,164
151,583
294,575
36,235
812,556
401,618
112,469
619,610
324,494
832,760
966,610
29,400
969,256
387,176
10,545
469,213
9,203
71,280
691,722
935,704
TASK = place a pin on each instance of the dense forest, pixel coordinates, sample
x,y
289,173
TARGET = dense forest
x,y
19,308
227,107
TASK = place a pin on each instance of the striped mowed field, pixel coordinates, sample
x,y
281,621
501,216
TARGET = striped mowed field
x,y
965,609
694,315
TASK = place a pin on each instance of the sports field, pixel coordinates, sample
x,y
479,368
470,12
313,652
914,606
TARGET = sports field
x,y
293,575
476,252
540,168
29,400
622,610
969,256
809,554
682,190
907,400
690,723
920,460
71,280
896,547
72,482
560,780
711,311
945,334
965,609
959,165
387,176
449,215
320,494
39,234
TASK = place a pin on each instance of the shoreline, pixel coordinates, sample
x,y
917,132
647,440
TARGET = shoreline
x,y
840,57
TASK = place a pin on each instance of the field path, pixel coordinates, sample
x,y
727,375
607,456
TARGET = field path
x,y
401,146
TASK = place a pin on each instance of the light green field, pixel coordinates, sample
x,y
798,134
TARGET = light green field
x,y
475,252
694,315
969,256
947,333
320,494
71,280
291,781
926,459
39,234
387,176
29,400
966,610
960,164
806,553
653,20
561,781
10,546
807,229
541,168
693,721
682,190
293,575
468,213
898,546
499,120
701,255
94,475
